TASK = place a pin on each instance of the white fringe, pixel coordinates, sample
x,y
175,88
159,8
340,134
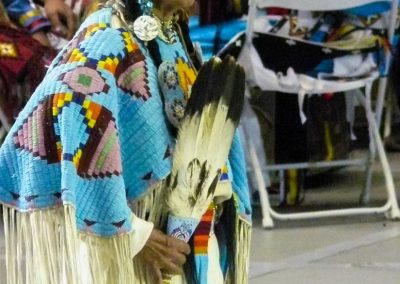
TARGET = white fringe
x,y
149,208
242,258
44,247
152,206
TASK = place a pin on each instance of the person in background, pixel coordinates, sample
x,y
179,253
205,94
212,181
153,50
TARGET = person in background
x,y
65,17
25,50
56,16
61,16
27,15
24,54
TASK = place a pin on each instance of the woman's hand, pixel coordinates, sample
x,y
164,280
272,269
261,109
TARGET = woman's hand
x,y
61,17
164,253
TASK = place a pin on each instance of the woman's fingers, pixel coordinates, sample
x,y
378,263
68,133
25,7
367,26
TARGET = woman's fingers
x,y
165,253
156,274
180,246
170,267
168,251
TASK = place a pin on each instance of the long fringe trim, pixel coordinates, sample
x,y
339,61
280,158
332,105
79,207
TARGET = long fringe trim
x,y
149,208
44,247
242,257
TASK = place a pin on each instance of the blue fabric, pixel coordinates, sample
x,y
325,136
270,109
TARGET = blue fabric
x,y
16,8
202,268
326,66
213,37
239,181
370,9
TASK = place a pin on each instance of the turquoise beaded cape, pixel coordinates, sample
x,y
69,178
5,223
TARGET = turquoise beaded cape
x,y
95,133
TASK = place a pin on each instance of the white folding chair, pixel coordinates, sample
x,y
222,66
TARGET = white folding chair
x,y
303,85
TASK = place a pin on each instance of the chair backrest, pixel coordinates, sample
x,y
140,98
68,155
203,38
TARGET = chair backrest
x,y
317,5
313,5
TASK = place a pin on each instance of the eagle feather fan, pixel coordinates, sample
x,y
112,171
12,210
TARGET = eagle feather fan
x,y
205,137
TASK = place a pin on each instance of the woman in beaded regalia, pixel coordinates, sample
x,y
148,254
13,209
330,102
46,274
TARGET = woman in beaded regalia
x,y
83,169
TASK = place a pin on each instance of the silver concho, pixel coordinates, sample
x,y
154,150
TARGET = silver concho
x,y
146,28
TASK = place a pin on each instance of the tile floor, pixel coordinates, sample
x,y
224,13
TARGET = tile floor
x,y
346,250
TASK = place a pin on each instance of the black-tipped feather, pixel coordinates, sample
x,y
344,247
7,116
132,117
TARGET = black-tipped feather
x,y
218,79
237,102
205,136
204,140
200,89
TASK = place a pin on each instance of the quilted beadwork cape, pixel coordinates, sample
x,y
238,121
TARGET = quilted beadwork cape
x,y
93,137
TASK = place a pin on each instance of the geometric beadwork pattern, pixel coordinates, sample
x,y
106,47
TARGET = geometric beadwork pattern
x,y
130,44
85,80
108,63
60,100
66,55
92,29
100,155
134,79
72,53
77,55
37,135
132,73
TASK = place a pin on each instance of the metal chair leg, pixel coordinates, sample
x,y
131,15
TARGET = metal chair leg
x,y
393,211
267,221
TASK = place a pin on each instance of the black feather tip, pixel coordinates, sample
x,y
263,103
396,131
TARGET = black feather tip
x,y
237,100
219,79
199,96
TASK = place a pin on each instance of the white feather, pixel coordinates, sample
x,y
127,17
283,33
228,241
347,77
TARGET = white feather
x,y
207,137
